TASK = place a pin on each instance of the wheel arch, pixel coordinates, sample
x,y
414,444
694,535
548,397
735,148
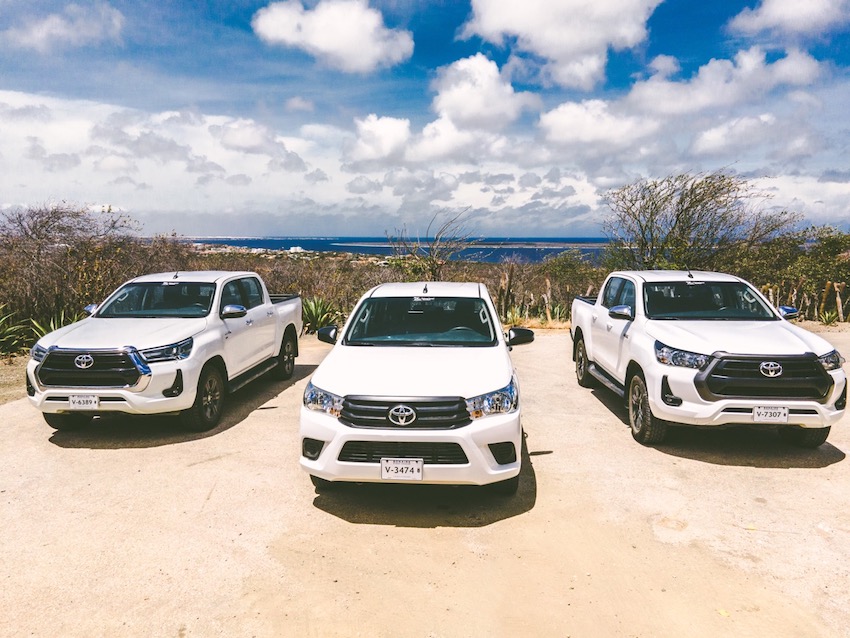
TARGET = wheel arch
x,y
290,331
219,363
579,334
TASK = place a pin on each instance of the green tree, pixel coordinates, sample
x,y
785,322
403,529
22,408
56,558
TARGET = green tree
x,y
426,258
697,221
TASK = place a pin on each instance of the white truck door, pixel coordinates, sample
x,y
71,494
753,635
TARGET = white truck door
x,y
610,334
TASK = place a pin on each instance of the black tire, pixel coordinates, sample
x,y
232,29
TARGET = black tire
x,y
804,437
585,379
205,413
66,422
285,367
646,429
506,488
322,485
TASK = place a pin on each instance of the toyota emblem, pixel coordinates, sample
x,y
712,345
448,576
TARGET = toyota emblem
x,y
84,361
402,415
770,369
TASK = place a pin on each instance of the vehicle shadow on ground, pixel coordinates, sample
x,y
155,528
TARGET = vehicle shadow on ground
x,y
743,446
429,506
120,431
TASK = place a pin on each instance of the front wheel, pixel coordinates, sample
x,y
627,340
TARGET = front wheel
x,y
205,413
804,437
646,429
286,359
65,422
585,379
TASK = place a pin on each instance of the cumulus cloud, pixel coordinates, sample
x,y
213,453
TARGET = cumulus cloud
x,y
725,83
77,26
362,185
591,124
572,36
344,34
472,94
792,17
379,138
298,103
735,135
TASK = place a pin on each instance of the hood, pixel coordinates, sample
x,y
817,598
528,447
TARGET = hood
x,y
738,337
94,333
414,371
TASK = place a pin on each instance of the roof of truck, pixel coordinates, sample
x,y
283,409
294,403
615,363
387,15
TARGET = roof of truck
x,y
677,275
428,289
195,276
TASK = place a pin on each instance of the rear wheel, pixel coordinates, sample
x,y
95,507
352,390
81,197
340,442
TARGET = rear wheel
x,y
646,429
205,413
67,421
585,379
804,437
286,359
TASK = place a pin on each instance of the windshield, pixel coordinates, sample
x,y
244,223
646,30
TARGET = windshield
x,y
422,321
705,300
159,299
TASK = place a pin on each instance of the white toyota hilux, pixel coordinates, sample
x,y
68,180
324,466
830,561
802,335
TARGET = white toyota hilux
x,y
706,349
419,387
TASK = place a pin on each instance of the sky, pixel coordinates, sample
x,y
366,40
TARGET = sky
x,y
366,117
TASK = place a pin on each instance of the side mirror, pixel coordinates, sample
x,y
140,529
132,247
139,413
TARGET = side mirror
x,y
233,311
327,334
622,312
789,312
89,310
517,336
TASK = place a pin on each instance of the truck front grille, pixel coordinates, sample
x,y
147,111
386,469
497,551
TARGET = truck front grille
x,y
430,453
109,369
802,377
439,413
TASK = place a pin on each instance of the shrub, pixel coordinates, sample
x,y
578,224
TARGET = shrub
x,y
12,334
318,313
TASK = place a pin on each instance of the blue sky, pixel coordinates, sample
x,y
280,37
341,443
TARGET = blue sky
x,y
356,117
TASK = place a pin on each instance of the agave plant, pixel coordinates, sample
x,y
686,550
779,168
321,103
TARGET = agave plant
x,y
12,334
318,313
56,322
829,317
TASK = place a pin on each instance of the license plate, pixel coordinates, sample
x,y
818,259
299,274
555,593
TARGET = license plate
x,y
770,415
401,469
83,402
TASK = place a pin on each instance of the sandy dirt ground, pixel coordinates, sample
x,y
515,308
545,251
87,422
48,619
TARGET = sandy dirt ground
x,y
134,528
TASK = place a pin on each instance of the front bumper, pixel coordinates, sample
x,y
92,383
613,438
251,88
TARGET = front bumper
x,y
696,410
154,394
480,468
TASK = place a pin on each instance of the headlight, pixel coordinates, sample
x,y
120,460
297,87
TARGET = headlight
x,y
37,352
173,352
681,358
498,402
321,401
831,360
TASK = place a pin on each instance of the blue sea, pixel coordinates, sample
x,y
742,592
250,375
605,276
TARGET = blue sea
x,y
493,249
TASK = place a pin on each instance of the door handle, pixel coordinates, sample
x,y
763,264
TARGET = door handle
x,y
250,322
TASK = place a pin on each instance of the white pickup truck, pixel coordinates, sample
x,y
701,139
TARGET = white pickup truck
x,y
420,387
165,343
706,349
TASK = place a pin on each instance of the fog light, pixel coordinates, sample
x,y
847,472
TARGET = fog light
x,y
311,448
842,400
504,453
176,388
31,388
667,394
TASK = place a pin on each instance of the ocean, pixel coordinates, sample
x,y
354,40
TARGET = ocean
x,y
492,249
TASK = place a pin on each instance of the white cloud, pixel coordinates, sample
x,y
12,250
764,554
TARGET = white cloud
x,y
362,185
591,124
345,34
76,26
738,134
440,139
379,138
725,83
299,103
793,17
573,36
472,94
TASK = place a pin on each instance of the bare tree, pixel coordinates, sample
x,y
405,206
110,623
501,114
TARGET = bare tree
x,y
694,221
425,258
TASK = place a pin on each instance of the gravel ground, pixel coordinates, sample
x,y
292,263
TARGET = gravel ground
x,y
134,528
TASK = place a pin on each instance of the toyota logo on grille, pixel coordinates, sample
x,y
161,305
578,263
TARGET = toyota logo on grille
x,y
84,361
770,369
402,415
